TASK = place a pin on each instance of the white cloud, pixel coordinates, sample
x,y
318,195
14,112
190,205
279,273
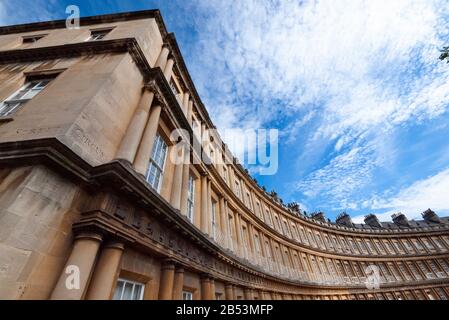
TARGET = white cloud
x,y
356,69
432,192
361,68
351,169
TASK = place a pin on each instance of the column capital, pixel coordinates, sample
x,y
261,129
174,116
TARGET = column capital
x,y
115,244
205,277
179,269
205,174
168,264
89,235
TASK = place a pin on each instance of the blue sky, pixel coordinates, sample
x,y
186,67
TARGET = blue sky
x,y
355,88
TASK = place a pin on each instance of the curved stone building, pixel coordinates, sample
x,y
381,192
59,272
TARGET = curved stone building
x,y
91,207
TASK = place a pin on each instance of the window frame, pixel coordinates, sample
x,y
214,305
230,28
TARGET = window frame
x,y
191,198
153,162
134,284
187,293
34,38
213,212
103,31
26,94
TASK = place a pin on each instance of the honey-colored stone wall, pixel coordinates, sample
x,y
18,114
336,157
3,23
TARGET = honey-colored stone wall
x,y
142,268
88,106
37,210
145,31
192,284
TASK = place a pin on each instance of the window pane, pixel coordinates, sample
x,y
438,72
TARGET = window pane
x,y
9,108
187,295
157,163
27,92
127,291
137,292
118,290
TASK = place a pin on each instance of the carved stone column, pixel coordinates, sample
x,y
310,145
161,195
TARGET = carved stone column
x,y
229,294
224,225
166,280
190,112
232,177
185,184
133,135
203,133
204,206
162,59
78,267
234,292
209,207
205,288
267,295
106,272
248,294
238,230
178,283
251,239
169,69
143,156
229,238
185,103
176,190
212,289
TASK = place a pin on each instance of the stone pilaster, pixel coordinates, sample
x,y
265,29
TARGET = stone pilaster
x,y
106,271
204,206
166,280
74,277
178,283
162,59
133,135
143,156
229,293
168,70
205,288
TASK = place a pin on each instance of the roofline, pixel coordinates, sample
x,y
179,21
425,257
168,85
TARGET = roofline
x,y
89,20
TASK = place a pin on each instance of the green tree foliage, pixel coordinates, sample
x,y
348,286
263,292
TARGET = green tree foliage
x,y
444,54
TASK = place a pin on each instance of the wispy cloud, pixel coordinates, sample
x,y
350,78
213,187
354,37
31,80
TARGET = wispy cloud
x,y
431,192
339,79
346,75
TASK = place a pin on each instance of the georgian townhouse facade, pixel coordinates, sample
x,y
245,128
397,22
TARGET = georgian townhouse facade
x,y
91,207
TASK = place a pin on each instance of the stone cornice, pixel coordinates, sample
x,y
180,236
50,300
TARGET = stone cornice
x,y
87,21
76,49
154,77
